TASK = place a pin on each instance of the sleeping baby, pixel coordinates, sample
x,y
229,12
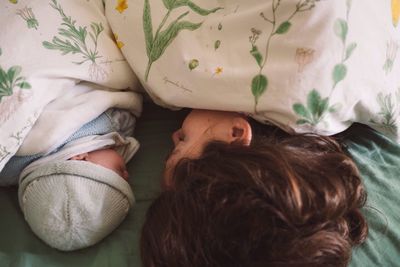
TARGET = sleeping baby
x,y
68,104
78,193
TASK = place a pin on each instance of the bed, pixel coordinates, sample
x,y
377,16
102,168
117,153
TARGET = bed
x,y
377,157
197,76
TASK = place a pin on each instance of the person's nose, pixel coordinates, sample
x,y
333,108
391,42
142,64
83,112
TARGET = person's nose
x,y
175,137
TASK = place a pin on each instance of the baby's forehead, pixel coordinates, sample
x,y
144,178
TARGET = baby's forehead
x,y
109,152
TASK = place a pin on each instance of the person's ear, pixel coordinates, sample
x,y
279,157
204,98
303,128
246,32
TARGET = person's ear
x,y
241,131
83,156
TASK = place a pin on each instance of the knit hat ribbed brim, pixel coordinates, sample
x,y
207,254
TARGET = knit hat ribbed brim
x,y
74,204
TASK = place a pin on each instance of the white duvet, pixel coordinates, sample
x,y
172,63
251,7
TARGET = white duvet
x,y
304,65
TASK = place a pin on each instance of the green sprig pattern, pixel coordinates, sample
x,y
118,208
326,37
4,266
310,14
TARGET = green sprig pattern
x,y
259,83
389,112
10,79
73,38
157,43
317,107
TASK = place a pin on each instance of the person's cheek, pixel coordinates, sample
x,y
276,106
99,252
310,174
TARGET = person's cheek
x,y
166,181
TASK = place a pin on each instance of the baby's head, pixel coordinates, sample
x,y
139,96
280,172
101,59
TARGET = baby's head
x,y
108,158
75,203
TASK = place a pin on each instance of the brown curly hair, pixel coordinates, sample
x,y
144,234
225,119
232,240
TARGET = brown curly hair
x,y
291,201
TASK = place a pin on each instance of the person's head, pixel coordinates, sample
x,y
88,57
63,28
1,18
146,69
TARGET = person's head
x,y
201,127
75,203
292,201
108,158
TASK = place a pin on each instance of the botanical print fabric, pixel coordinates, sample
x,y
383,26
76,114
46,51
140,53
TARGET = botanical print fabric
x,y
304,65
46,49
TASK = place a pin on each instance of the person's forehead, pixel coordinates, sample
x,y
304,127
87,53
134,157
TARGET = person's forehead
x,y
205,115
195,116
199,113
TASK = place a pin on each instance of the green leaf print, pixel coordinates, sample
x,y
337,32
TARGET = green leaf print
x,y
76,40
315,110
73,39
313,100
315,104
148,27
217,44
339,73
24,85
27,14
387,115
349,50
258,86
302,121
172,4
257,55
194,63
341,28
201,11
302,111
64,46
391,55
168,35
10,79
283,28
334,108
157,43
13,72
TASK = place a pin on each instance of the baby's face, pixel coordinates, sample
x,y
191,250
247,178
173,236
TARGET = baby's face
x,y
108,158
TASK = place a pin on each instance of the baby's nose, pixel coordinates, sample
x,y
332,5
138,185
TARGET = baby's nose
x,y
125,175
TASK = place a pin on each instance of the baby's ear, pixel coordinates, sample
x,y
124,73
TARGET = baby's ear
x,y
241,131
83,156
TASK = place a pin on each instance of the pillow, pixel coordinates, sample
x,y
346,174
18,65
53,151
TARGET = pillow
x,y
304,65
46,47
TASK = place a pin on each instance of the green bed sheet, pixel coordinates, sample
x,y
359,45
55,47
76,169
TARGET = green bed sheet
x,y
377,158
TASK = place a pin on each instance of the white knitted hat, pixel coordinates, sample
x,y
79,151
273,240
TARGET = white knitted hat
x,y
73,204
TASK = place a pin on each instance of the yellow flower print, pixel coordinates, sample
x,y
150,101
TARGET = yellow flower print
x,y
395,12
218,70
122,5
118,42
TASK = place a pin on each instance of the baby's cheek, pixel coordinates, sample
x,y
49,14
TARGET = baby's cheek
x,y
125,175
